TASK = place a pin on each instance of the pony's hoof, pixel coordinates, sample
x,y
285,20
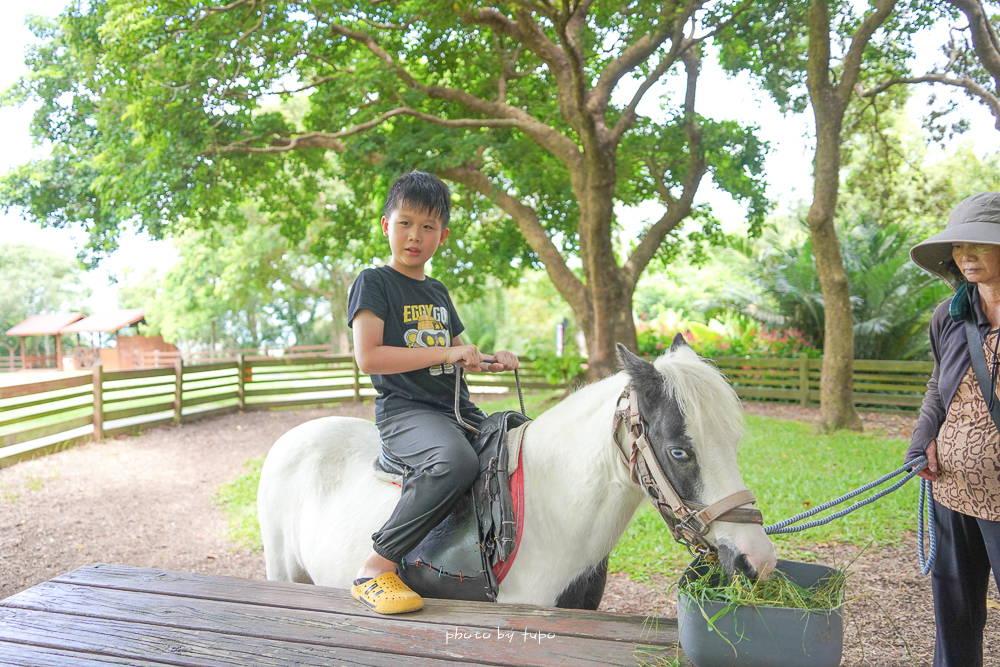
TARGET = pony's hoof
x,y
387,594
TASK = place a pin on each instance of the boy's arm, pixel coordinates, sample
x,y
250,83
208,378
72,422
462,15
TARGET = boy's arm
x,y
374,357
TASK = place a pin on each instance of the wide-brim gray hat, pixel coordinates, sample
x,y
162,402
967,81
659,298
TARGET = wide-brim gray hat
x,y
975,220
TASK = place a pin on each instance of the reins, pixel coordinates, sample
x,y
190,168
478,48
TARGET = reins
x,y
458,395
926,499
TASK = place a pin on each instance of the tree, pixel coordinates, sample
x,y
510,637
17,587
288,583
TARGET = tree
x,y
250,286
893,195
36,281
158,112
816,53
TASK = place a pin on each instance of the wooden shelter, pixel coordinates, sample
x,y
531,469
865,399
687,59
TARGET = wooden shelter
x,y
128,353
43,325
129,349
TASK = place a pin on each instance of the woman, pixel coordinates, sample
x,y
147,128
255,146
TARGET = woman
x,y
957,428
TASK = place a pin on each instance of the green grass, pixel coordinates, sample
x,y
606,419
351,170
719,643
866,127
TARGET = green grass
x,y
535,403
784,463
238,501
790,469
778,591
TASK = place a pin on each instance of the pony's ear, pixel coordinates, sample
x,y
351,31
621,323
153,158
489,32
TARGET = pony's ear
x,y
679,343
627,359
634,364
645,378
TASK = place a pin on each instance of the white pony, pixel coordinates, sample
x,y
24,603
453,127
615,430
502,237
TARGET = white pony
x,y
319,502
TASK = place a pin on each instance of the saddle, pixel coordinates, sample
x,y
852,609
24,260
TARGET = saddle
x,y
466,555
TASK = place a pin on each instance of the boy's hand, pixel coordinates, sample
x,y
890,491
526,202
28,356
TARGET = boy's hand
x,y
467,356
506,361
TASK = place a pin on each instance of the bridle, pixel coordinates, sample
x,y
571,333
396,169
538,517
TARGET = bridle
x,y
687,520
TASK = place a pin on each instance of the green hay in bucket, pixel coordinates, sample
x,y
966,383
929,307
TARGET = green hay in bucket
x,y
777,591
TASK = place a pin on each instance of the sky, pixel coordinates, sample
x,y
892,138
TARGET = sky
x,y
788,166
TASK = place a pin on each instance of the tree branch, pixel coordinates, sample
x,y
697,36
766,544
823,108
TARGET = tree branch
x,y
638,52
317,82
331,140
527,221
677,208
628,117
528,32
970,86
544,135
984,36
856,53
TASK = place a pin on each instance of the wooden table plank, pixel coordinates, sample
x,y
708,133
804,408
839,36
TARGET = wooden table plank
x,y
24,655
564,622
384,634
137,642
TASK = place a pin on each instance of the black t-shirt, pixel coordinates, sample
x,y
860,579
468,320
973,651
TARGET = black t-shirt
x,y
415,313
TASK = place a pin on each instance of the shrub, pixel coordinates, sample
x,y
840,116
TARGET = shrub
x,y
558,370
726,336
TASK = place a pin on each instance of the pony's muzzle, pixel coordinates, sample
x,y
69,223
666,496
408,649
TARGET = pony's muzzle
x,y
752,565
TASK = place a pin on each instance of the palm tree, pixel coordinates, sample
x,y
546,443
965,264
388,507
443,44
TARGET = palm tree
x,y
891,298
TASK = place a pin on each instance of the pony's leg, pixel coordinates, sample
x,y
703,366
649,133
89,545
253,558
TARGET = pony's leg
x,y
586,591
283,566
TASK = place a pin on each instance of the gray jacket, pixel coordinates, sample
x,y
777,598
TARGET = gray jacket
x,y
951,363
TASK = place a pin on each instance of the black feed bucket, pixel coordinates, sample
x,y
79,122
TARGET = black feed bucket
x,y
761,636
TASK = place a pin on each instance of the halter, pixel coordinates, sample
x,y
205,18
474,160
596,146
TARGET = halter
x,y
687,520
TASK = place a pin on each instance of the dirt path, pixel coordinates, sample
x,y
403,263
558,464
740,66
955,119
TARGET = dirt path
x,y
147,501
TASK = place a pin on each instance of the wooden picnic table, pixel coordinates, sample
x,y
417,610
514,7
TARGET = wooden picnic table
x,y
116,615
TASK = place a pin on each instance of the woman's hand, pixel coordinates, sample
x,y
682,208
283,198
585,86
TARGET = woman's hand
x,y
931,472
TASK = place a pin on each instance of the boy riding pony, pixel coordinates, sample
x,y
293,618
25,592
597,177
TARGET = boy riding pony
x,y
407,338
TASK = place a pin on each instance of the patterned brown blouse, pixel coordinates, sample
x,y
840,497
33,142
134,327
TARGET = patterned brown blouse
x,y
968,451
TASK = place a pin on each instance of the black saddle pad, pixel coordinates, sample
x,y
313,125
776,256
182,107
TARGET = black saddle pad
x,y
456,560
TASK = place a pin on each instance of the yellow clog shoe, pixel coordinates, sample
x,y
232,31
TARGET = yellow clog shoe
x,y
387,594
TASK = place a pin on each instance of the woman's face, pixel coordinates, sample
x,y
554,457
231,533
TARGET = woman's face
x,y
978,262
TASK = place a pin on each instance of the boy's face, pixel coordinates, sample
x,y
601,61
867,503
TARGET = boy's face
x,y
414,237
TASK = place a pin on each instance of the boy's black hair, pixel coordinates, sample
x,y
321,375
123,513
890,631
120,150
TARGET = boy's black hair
x,y
422,191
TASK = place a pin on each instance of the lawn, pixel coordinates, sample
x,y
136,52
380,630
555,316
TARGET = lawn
x,y
785,463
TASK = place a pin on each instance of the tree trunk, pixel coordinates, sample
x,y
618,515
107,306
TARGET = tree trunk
x,y
836,383
611,324
610,305
837,379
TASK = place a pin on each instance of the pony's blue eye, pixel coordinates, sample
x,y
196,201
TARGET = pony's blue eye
x,y
679,454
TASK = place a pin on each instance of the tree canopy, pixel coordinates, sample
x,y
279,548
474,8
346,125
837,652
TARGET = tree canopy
x,y
171,113
251,285
36,281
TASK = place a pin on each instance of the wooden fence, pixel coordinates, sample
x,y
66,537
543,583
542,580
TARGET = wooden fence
x,y
48,416
44,417
877,384
11,362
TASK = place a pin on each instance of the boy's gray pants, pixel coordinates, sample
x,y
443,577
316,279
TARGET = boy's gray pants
x,y
440,465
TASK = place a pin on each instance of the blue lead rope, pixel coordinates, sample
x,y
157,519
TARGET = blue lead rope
x,y
914,467
926,495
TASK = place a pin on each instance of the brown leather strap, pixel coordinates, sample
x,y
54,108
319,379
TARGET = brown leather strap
x,y
688,521
730,509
